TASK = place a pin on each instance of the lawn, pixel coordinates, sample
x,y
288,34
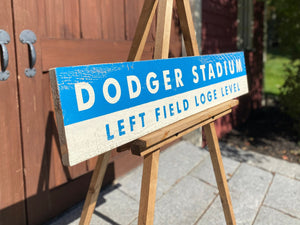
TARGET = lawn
x,y
274,73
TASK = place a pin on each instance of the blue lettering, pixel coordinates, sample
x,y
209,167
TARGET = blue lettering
x,y
185,104
209,96
121,127
109,136
230,88
202,98
132,122
157,113
171,109
141,115
178,109
165,112
196,101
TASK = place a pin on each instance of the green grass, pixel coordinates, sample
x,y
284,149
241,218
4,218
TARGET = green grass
x,y
274,73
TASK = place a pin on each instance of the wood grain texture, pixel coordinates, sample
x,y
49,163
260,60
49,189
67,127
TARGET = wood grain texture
x,y
142,30
94,189
133,9
90,18
55,26
60,52
160,135
66,25
12,194
163,29
138,148
71,19
216,158
148,188
113,19
187,27
42,157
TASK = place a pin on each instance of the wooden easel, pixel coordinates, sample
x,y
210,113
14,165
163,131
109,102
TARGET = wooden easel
x,y
149,146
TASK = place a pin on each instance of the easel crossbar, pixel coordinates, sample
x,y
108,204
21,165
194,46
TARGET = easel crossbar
x,y
168,134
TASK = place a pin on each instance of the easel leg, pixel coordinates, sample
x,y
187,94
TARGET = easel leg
x,y
216,158
187,27
142,30
148,189
94,188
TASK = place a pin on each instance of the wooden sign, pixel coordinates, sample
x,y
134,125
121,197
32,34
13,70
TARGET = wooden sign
x,y
100,107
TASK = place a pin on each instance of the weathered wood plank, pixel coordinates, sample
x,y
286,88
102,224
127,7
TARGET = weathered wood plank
x,y
170,133
71,19
12,190
142,30
62,22
58,53
216,158
163,29
187,27
148,188
94,189
173,129
112,18
90,18
175,92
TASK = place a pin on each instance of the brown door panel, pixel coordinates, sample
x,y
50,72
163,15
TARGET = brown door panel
x,y
58,53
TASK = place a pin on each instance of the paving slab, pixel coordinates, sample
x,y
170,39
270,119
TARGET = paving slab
x,y
175,163
264,190
178,161
284,195
113,207
205,172
184,202
131,184
247,187
268,216
268,163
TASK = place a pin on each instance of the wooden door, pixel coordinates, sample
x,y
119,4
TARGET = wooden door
x,y
12,205
68,32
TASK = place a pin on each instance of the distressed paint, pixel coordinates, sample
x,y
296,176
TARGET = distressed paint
x,y
100,107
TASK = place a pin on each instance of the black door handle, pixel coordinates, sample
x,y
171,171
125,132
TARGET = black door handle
x,y
4,39
29,38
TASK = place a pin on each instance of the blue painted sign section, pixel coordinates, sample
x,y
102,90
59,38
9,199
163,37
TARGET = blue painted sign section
x,y
100,107
91,91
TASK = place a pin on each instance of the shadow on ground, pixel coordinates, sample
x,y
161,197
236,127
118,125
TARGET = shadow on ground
x,y
268,131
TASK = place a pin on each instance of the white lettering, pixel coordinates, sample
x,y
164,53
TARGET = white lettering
x,y
196,75
78,91
115,83
231,66
167,79
211,73
225,66
202,67
238,65
155,83
135,79
178,77
219,69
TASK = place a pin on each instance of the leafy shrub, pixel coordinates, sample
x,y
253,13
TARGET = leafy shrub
x,y
289,96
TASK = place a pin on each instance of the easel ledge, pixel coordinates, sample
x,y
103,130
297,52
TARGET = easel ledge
x,y
168,134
